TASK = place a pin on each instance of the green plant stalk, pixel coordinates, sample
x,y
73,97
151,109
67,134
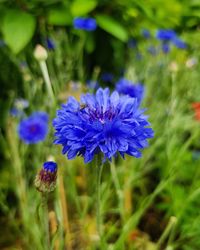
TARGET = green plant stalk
x,y
117,187
99,169
134,219
168,229
64,208
17,166
45,215
45,73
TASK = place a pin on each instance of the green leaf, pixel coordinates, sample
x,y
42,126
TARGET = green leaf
x,y
82,7
60,16
18,29
112,26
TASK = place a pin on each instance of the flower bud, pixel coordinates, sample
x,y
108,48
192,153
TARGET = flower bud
x,y
45,180
173,67
191,62
40,53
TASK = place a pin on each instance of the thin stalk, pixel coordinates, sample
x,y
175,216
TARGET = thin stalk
x,y
53,230
17,166
47,80
167,231
45,216
99,169
64,212
117,187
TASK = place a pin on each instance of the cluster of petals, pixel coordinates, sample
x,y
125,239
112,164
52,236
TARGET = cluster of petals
x,y
102,124
85,23
127,87
34,128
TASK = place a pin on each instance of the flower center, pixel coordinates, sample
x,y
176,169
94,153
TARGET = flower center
x,y
33,128
102,116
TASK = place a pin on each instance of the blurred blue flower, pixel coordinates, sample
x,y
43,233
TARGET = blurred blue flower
x,y
34,128
92,85
107,77
165,35
16,112
179,43
75,85
50,166
132,43
84,23
152,50
165,48
19,105
127,87
107,124
50,44
145,33
139,56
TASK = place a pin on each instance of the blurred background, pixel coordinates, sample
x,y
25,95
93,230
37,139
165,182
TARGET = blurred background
x,y
148,203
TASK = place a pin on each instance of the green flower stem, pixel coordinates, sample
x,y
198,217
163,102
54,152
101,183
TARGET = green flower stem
x,y
45,216
17,167
167,232
47,80
99,169
64,208
117,187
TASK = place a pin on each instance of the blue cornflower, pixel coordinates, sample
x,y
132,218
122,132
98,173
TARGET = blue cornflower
x,y
34,128
19,105
145,33
127,87
139,56
152,50
179,43
107,77
16,112
102,124
50,44
92,85
165,48
165,35
84,23
132,43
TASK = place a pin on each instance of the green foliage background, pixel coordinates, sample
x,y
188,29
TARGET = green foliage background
x,y
164,184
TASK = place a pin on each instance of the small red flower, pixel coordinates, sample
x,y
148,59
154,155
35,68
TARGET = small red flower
x,y
196,108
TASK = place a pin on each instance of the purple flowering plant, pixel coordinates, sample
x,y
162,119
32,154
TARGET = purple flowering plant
x,y
34,128
165,34
102,123
127,87
85,23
